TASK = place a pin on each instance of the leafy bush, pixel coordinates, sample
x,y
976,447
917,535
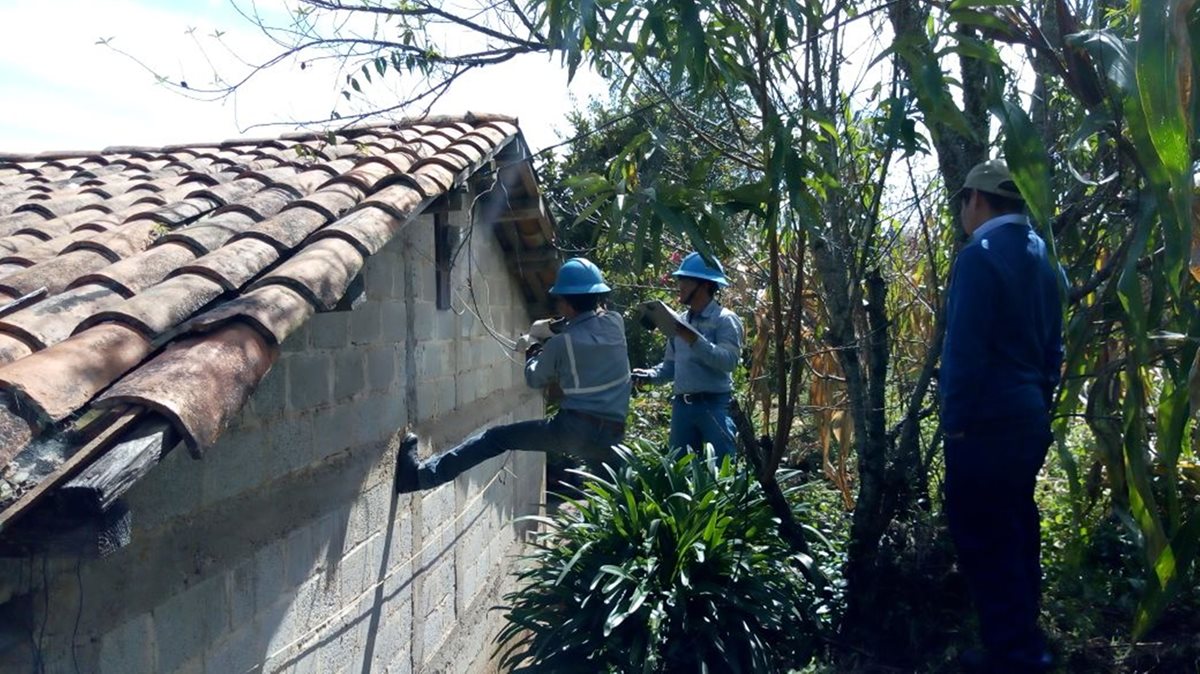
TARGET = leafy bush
x,y
669,564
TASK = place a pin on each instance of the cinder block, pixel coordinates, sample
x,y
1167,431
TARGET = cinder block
x,y
393,639
426,400
435,627
468,324
174,488
291,445
330,330
332,430
351,573
401,664
394,323
423,325
434,359
365,323
130,648
270,398
187,621
283,622
376,419
236,464
301,555
398,284
381,368
437,510
309,380
238,652
446,325
349,376
377,274
270,576
445,390
239,584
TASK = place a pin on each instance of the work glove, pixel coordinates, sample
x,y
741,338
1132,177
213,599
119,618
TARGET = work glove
x,y
524,342
641,377
533,351
546,328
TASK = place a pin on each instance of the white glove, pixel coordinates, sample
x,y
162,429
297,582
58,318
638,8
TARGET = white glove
x,y
524,342
540,330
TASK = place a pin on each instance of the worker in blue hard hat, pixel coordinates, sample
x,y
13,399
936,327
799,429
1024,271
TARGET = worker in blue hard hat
x,y
587,359
700,359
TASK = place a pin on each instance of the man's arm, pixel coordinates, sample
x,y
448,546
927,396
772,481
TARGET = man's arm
x,y
661,373
723,355
542,368
1053,359
969,321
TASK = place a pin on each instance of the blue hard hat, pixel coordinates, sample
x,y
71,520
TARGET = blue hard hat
x,y
578,276
694,266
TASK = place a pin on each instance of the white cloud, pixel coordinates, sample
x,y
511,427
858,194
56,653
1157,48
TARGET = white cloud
x,y
63,91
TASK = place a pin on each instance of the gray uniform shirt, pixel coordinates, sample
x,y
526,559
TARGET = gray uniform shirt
x,y
590,362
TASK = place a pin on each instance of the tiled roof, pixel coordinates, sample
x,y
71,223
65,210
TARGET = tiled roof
x,y
165,278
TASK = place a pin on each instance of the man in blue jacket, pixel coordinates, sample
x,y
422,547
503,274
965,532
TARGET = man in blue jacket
x,y
701,361
1000,366
588,360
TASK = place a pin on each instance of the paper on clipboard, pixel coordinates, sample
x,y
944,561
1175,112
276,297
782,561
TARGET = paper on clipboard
x,y
663,318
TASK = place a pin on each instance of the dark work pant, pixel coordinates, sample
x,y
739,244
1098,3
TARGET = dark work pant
x,y
706,420
566,432
990,478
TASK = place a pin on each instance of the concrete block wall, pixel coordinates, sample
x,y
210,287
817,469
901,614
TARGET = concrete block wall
x,y
286,549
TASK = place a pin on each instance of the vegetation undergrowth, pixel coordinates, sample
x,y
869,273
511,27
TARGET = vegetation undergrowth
x,y
666,563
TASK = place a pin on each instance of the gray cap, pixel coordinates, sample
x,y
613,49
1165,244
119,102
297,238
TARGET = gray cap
x,y
992,176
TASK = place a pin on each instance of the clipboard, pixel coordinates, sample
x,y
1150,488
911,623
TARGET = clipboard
x,y
660,316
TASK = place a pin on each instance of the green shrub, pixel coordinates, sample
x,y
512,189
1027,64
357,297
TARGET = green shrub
x,y
667,565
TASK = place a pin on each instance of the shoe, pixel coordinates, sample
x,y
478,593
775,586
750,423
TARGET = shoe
x,y
408,466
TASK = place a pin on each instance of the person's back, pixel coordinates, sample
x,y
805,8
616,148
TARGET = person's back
x,y
1000,365
1001,361
590,361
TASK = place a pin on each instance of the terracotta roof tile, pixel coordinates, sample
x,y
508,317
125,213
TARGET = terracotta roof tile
x,y
370,228
55,319
54,274
289,228
275,311
12,348
134,274
63,378
320,272
199,383
214,253
233,265
161,307
15,433
209,234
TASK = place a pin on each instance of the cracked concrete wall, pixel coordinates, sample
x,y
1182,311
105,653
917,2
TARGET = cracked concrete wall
x,y
286,549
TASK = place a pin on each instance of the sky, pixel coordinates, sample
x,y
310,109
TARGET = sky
x,y
60,90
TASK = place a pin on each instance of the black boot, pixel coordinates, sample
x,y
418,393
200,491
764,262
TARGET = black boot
x,y
408,466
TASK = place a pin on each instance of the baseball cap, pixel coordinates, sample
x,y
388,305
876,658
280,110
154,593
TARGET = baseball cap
x,y
992,176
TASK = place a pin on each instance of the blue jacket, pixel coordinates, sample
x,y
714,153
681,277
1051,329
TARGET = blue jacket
x,y
590,362
706,366
1003,350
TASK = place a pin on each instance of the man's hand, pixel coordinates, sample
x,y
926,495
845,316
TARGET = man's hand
x,y
533,351
542,330
641,377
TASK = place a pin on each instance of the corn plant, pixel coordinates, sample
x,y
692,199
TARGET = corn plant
x,y
668,563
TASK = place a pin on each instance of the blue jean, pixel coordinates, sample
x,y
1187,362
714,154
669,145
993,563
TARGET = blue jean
x,y
703,421
991,473
567,432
